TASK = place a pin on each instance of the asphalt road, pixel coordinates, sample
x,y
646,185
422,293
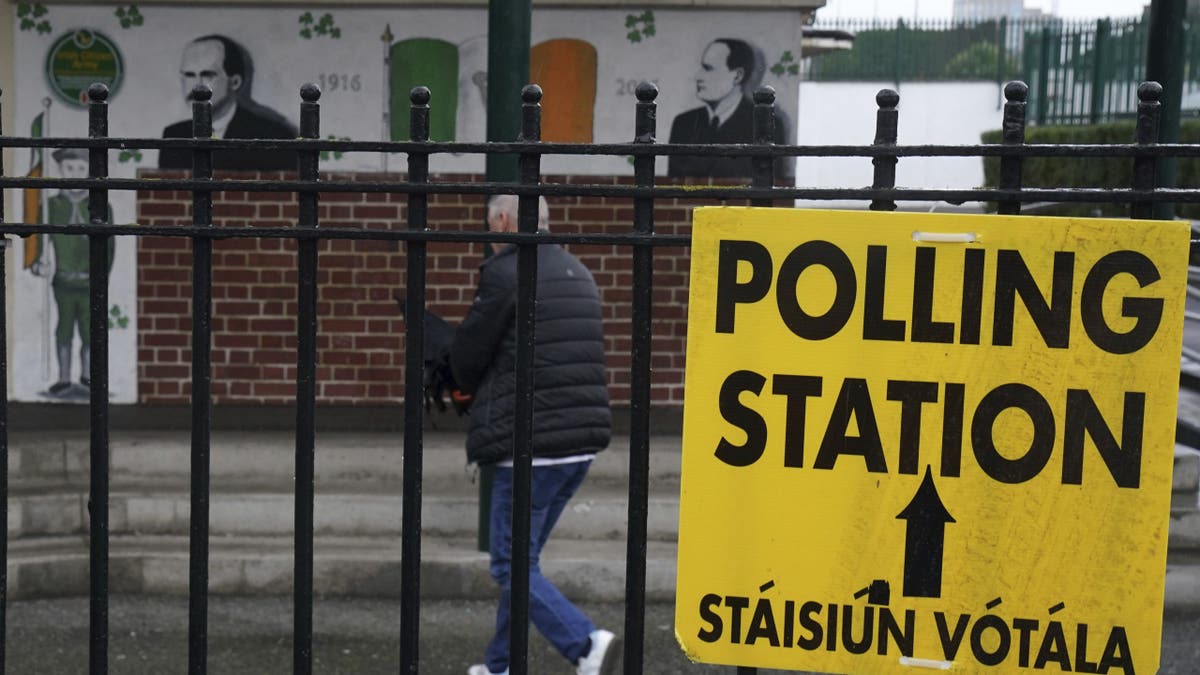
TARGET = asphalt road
x,y
252,636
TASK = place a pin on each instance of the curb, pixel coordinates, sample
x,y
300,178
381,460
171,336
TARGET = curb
x,y
450,569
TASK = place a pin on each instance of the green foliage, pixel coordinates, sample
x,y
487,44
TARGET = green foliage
x,y
29,14
322,26
129,16
1093,172
129,156
641,26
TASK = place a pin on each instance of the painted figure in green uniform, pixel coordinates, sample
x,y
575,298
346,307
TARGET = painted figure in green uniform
x,y
69,272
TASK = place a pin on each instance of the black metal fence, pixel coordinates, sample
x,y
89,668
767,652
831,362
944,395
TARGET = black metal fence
x,y
641,239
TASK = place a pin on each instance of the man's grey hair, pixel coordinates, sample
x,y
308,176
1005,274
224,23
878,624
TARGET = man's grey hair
x,y
509,203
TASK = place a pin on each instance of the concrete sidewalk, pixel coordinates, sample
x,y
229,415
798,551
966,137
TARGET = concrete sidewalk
x,y
148,636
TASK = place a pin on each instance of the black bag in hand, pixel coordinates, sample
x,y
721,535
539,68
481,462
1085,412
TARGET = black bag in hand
x,y
439,378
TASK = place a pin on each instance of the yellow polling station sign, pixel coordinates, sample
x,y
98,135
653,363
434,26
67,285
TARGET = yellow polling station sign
x,y
920,442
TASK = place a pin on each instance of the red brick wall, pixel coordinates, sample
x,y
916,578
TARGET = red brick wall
x,y
360,338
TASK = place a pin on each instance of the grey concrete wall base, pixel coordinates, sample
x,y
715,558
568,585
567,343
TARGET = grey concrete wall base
x,y
1186,475
1183,587
450,568
1184,531
358,515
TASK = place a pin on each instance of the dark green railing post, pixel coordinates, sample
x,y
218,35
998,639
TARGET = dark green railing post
x,y
1164,64
1001,50
1100,73
1043,77
508,71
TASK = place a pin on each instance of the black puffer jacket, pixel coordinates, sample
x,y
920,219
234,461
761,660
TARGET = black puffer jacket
x,y
571,415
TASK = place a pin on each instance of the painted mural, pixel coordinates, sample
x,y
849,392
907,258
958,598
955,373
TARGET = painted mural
x,y
729,72
228,69
61,263
588,62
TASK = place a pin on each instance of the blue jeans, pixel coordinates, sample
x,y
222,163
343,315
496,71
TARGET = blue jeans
x,y
563,625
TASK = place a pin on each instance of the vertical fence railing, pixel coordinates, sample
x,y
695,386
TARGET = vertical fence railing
x,y
762,169
1041,97
3,422
414,372
1013,133
202,247
645,129
98,382
887,120
306,386
529,173
1100,62
1149,109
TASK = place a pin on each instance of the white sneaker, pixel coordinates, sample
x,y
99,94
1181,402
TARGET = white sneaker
x,y
603,657
481,669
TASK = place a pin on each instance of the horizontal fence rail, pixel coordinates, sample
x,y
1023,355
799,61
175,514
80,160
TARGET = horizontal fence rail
x,y
1009,196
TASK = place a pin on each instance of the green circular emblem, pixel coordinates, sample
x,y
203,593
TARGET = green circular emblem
x,y
79,59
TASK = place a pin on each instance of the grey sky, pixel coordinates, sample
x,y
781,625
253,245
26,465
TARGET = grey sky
x,y
856,9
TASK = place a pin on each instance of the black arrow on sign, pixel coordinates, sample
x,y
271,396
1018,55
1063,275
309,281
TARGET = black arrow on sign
x,y
924,541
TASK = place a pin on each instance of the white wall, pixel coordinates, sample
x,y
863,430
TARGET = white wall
x,y
943,113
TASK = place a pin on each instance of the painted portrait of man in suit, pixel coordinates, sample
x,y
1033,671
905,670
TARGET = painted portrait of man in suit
x,y
730,70
226,67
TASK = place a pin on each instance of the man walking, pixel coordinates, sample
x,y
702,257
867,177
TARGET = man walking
x,y
572,422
